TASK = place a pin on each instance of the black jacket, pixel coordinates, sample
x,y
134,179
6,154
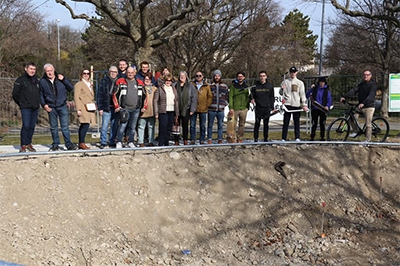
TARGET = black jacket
x,y
26,92
54,95
104,94
366,93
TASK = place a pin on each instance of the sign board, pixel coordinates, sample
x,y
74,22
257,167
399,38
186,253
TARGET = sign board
x,y
394,92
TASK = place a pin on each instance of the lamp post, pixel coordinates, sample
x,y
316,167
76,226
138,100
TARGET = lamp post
x,y
321,38
58,39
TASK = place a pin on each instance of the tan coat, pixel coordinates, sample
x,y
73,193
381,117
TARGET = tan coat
x,y
82,96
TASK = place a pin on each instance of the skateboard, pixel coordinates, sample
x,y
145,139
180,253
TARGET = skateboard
x,y
230,128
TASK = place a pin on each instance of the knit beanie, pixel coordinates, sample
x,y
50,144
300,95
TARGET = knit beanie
x,y
217,72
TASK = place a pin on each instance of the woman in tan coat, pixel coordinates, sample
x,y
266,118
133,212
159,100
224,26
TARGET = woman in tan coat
x,y
85,106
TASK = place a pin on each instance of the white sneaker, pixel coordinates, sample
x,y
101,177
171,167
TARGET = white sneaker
x,y
119,145
131,145
283,140
297,140
353,135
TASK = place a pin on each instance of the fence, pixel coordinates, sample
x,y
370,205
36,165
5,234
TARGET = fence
x,y
10,115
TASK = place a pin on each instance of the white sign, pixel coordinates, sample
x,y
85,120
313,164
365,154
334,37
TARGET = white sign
x,y
394,92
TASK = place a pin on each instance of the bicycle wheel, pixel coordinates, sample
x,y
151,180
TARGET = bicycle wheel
x,y
338,130
380,129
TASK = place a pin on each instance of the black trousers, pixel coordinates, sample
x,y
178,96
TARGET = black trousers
x,y
286,121
315,114
263,114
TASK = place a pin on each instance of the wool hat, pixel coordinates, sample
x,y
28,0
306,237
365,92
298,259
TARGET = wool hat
x,y
322,79
217,72
293,69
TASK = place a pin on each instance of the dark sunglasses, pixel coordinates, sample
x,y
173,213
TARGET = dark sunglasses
x,y
85,73
199,76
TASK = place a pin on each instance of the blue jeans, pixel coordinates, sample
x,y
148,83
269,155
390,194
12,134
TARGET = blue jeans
x,y
108,117
62,114
131,124
29,120
220,120
193,119
150,121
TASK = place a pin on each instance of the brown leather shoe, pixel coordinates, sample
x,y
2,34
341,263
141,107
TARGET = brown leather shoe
x,y
185,142
176,143
141,145
30,148
240,141
209,141
220,141
83,146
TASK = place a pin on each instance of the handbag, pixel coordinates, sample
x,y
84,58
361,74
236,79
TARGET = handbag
x,y
90,107
176,128
123,116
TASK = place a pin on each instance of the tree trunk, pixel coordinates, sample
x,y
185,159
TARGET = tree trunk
x,y
143,54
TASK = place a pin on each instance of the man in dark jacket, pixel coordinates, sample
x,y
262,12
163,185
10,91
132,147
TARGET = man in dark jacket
x,y
263,96
145,71
366,91
106,108
53,98
26,95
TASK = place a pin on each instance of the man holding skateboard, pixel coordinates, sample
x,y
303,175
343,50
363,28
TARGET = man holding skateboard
x,y
239,104
294,99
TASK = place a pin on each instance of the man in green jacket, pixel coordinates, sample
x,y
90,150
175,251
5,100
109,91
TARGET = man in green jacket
x,y
239,103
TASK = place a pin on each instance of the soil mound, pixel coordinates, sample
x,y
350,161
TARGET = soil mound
x,y
246,205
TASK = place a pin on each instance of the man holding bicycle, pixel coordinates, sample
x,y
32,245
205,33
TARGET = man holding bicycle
x,y
366,91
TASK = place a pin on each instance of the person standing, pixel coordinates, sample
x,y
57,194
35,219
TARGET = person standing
x,y
220,98
130,99
321,95
145,71
294,97
187,95
239,103
106,108
166,110
122,68
366,91
263,96
147,112
85,106
27,96
53,98
204,99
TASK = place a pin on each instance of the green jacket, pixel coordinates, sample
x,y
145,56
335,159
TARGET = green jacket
x,y
239,96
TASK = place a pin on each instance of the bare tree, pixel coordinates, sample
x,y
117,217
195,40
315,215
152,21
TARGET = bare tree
x,y
133,19
384,11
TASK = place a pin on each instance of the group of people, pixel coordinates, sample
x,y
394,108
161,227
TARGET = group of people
x,y
51,92
130,100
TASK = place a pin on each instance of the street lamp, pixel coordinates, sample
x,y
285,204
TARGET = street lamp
x,y
58,39
321,39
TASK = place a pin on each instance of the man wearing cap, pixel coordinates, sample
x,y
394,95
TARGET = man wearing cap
x,y
220,98
294,97
319,95
239,102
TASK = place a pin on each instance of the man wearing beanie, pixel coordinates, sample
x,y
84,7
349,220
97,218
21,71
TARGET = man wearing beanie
x,y
239,102
319,96
220,98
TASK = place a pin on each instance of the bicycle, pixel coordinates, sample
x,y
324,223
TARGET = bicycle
x,y
339,129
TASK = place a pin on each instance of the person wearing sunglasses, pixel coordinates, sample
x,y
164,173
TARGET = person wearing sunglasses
x,y
53,98
106,108
366,91
166,110
85,108
204,100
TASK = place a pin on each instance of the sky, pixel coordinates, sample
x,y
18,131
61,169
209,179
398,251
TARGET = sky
x,y
54,11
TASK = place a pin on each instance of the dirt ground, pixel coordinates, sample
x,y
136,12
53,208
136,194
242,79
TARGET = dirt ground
x,y
242,205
